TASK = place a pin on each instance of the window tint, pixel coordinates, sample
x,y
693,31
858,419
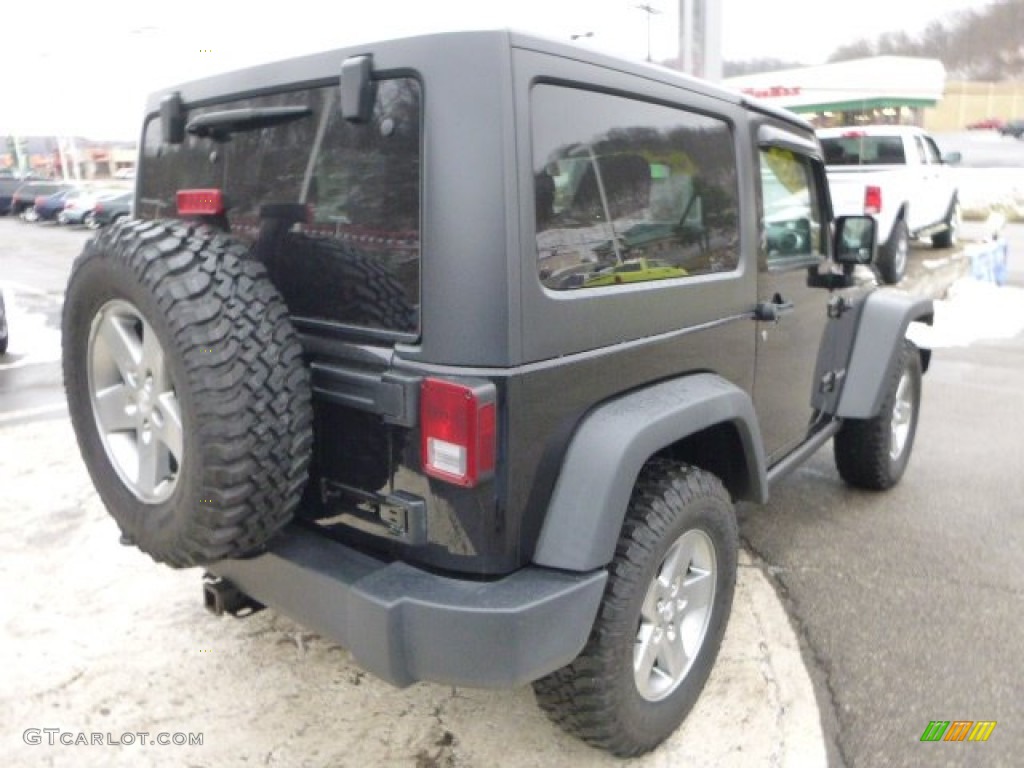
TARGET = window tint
x,y
791,218
628,191
346,195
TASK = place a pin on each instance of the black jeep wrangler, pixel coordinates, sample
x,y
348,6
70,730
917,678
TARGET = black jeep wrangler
x,y
460,349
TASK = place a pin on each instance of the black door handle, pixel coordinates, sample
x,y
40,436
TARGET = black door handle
x,y
771,311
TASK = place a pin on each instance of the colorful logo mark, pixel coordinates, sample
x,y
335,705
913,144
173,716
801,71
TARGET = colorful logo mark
x,y
958,730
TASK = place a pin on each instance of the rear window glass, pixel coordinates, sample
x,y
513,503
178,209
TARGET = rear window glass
x,y
864,150
331,207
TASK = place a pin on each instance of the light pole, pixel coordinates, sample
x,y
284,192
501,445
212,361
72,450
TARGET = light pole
x,y
650,10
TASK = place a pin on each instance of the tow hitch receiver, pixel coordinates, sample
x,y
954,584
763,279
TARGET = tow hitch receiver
x,y
221,596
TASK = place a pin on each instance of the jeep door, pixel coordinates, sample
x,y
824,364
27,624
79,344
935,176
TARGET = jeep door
x,y
791,315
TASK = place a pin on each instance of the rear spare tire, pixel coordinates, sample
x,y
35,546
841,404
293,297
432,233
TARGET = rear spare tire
x,y
187,390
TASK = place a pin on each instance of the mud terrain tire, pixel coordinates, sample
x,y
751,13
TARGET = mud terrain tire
x,y
873,453
662,619
187,390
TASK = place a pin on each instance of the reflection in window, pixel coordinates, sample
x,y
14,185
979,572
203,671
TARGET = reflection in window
x,y
629,192
792,224
322,201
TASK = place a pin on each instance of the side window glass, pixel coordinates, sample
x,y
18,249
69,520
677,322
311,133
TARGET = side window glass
x,y
791,220
629,192
932,152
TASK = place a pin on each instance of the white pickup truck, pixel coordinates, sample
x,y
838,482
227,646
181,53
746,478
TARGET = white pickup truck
x,y
897,174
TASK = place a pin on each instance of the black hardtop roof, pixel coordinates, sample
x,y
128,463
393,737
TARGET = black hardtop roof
x,y
407,52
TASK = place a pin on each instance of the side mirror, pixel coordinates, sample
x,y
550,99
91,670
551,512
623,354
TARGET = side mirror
x,y
952,158
854,240
172,118
358,90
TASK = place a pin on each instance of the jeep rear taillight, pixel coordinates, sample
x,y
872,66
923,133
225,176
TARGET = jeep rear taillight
x,y
200,202
458,425
872,199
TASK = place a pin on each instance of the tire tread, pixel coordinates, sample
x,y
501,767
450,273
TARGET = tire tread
x,y
580,697
244,375
861,448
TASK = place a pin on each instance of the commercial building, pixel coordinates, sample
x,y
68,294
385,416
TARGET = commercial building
x,y
882,89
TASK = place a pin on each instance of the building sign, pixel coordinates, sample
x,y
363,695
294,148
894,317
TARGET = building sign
x,y
773,92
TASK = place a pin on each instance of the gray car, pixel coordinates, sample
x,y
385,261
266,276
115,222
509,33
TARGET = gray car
x,y
1013,128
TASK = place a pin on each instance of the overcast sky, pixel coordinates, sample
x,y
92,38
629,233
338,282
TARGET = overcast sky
x,y
84,68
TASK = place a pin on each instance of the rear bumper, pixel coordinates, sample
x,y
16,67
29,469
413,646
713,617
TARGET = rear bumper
x,y
404,624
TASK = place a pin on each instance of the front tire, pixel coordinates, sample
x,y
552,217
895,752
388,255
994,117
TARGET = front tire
x,y
186,390
662,619
873,453
893,256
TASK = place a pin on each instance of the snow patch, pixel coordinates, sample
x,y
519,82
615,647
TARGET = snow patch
x,y
972,310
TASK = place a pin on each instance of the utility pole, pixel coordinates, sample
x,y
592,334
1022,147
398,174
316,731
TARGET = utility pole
x,y
20,161
650,10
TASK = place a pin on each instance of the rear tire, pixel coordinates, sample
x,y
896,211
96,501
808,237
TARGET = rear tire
x,y
186,389
661,621
950,236
873,453
893,256
3,326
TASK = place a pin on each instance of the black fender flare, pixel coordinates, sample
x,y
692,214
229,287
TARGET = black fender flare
x,y
611,446
883,324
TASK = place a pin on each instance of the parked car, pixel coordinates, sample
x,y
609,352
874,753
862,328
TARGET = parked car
x,y
987,124
639,270
896,174
25,196
9,184
1013,128
78,207
48,207
109,210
